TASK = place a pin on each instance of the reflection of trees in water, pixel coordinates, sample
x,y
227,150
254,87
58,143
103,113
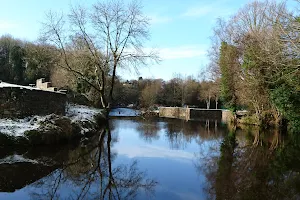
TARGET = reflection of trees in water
x,y
224,182
91,174
256,171
286,169
175,134
216,162
271,138
148,129
180,133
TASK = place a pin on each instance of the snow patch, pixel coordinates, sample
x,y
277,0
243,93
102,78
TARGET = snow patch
x,y
16,159
17,127
81,113
9,85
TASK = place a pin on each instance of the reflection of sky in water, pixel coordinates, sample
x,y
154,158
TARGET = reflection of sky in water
x,y
183,157
177,179
131,144
174,169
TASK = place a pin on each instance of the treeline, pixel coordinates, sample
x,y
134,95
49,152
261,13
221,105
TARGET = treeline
x,y
23,62
178,91
255,54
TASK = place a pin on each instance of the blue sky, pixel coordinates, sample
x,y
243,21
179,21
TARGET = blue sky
x,y
180,29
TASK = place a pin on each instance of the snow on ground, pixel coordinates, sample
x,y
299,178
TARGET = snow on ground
x,y
16,159
9,85
81,113
17,127
4,85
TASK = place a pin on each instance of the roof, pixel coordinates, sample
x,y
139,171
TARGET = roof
x,y
9,85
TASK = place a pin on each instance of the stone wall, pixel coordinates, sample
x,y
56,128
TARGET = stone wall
x,y
227,116
173,112
21,102
193,113
206,114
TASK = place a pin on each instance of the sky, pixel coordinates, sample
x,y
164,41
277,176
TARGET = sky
x,y
179,30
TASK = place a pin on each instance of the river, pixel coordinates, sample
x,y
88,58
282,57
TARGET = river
x,y
158,159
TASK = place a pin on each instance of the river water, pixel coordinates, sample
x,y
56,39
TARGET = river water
x,y
160,159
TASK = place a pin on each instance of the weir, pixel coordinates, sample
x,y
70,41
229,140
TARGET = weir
x,y
195,113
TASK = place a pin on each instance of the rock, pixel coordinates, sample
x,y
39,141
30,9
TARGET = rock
x,y
54,129
7,140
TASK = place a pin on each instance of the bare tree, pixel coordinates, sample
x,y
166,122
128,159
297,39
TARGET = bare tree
x,y
110,35
124,29
206,92
149,95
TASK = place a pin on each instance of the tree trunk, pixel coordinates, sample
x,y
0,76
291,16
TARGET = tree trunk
x,y
112,85
208,103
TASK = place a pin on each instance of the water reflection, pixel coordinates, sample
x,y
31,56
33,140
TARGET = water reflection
x,y
86,172
149,129
183,160
254,167
180,133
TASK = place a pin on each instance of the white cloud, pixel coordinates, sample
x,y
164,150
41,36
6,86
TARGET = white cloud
x,y
155,19
181,52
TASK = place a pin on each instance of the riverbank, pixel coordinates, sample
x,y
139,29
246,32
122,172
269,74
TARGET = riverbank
x,y
79,121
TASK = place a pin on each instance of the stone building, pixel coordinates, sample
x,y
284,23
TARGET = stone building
x,y
22,101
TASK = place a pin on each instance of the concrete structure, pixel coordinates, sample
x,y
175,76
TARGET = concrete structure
x,y
195,113
41,84
22,101
174,112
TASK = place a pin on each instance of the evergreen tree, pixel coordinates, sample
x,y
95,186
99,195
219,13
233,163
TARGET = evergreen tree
x,y
229,67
